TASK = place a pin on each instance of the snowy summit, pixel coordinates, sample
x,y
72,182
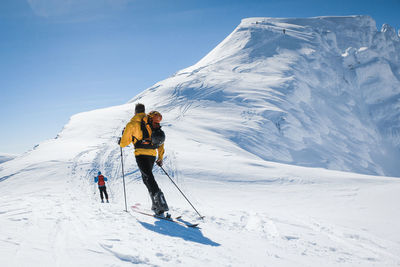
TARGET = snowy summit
x,y
320,92
284,137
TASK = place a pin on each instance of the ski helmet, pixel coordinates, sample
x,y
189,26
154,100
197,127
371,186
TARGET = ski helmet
x,y
158,137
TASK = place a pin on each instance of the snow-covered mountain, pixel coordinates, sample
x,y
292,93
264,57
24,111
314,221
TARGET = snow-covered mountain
x,y
246,128
324,93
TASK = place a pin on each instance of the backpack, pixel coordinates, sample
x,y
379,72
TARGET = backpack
x,y
101,180
152,137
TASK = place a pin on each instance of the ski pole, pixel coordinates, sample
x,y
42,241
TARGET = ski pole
x,y
123,179
201,217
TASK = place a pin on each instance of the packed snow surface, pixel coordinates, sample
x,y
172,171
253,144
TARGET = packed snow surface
x,y
259,134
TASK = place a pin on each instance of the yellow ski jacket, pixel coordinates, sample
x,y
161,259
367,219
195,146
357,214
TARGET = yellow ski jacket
x,y
133,133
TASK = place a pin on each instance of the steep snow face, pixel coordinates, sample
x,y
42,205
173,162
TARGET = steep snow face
x,y
320,92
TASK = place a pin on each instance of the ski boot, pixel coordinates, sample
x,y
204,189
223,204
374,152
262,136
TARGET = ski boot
x,y
159,203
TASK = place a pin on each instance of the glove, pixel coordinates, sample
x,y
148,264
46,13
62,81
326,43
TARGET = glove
x,y
159,162
119,141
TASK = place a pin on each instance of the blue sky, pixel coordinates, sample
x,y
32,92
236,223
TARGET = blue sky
x,y
61,57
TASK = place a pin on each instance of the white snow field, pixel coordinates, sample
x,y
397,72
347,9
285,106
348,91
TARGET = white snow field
x,y
284,141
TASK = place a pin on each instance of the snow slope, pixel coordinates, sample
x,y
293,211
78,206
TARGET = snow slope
x,y
258,100
6,157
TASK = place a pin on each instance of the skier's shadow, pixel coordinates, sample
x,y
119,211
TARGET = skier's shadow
x,y
176,230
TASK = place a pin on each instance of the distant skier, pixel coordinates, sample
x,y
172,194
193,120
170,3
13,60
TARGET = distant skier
x,y
144,131
284,31
101,181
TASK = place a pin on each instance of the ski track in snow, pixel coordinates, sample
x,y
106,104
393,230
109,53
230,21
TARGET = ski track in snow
x,y
64,222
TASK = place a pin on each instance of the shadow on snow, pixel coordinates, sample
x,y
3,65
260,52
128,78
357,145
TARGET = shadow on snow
x,y
177,230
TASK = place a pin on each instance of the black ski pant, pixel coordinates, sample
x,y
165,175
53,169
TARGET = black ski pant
x,y
102,190
145,164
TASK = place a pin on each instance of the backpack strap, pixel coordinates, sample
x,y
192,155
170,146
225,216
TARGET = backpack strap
x,y
146,129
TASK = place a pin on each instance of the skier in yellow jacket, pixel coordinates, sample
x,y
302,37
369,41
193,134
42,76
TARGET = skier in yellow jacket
x,y
144,131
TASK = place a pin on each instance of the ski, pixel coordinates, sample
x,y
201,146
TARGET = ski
x,y
177,220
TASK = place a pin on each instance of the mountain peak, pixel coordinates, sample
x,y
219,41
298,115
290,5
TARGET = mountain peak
x,y
315,92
